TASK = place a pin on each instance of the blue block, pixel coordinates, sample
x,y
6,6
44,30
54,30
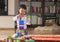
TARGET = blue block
x,y
21,28
18,33
21,22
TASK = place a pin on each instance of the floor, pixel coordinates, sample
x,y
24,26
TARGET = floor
x,y
5,33
54,29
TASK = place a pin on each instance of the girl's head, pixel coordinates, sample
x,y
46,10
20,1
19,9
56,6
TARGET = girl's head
x,y
22,9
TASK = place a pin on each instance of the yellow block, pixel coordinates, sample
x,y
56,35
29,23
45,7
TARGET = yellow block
x,y
22,31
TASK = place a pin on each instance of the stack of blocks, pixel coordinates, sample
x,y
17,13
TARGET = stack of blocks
x,y
21,26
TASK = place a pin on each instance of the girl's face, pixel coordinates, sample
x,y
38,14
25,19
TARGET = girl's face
x,y
22,11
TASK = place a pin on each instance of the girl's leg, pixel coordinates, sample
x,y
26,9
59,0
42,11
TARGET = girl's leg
x,y
25,33
16,35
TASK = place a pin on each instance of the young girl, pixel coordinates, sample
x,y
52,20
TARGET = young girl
x,y
22,21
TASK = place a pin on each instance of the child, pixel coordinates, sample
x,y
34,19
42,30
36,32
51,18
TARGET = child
x,y
22,22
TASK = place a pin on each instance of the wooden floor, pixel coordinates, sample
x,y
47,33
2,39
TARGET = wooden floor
x,y
5,33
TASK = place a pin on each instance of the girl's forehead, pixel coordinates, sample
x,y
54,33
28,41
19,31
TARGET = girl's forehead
x,y
21,9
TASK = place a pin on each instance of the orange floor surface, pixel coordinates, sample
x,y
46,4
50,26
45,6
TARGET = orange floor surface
x,y
46,37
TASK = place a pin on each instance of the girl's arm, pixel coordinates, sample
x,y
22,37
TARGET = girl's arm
x,y
15,17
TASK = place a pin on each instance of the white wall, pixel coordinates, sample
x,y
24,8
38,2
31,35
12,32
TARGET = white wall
x,y
6,22
11,7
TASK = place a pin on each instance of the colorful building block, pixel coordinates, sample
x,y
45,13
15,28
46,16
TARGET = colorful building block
x,y
30,40
21,22
21,28
22,31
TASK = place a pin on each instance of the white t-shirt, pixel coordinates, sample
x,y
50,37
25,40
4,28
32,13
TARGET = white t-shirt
x,y
26,21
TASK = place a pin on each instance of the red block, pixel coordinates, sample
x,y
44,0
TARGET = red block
x,y
22,41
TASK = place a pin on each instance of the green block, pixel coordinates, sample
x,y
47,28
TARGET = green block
x,y
22,31
26,40
18,40
10,40
31,40
15,40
